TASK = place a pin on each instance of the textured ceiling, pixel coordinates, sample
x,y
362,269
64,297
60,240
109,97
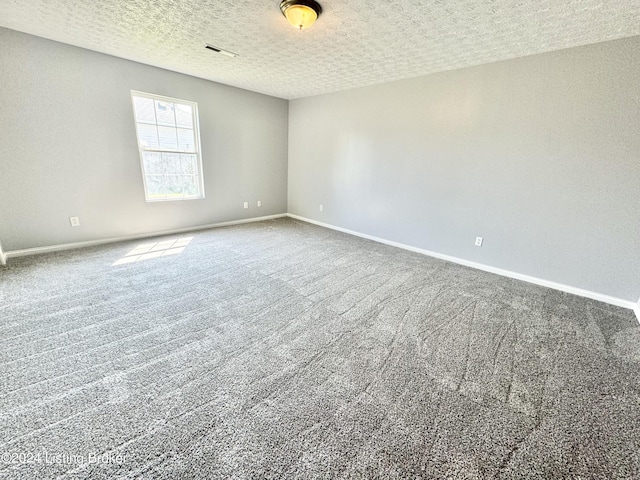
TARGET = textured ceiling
x,y
354,43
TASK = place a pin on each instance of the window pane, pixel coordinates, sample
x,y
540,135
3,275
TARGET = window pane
x,y
148,135
144,109
168,138
164,113
155,186
153,163
184,115
189,185
172,163
189,163
175,185
185,139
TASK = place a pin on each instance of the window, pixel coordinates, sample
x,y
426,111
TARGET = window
x,y
169,143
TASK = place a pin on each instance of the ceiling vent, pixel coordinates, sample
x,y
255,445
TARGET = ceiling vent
x,y
221,51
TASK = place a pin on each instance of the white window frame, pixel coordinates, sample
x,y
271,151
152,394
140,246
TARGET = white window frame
x,y
145,149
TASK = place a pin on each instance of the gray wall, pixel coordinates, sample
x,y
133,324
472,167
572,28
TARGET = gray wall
x,y
68,147
538,155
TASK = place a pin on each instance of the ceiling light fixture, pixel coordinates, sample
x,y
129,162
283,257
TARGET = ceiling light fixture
x,y
301,13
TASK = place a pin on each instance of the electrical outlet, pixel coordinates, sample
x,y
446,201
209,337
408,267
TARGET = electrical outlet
x,y
321,208
246,204
478,241
74,221
259,203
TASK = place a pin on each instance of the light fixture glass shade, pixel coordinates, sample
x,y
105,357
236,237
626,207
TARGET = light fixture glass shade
x,y
301,16
301,13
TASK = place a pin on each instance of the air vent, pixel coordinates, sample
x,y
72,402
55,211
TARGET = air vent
x,y
226,53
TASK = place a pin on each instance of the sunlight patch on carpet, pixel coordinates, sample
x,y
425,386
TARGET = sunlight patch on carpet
x,y
147,251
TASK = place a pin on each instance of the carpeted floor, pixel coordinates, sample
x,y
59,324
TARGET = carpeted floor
x,y
284,350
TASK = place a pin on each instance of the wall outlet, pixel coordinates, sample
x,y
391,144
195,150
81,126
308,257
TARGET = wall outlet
x,y
74,221
321,208
246,204
259,203
478,241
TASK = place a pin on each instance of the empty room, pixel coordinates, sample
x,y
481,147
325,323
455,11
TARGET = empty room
x,y
332,239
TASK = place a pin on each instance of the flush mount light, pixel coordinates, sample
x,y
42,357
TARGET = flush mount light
x,y
301,13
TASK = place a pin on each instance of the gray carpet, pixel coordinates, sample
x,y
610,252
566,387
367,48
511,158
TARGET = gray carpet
x,y
284,350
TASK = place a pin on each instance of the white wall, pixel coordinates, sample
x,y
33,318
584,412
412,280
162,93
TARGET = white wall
x,y
539,155
68,147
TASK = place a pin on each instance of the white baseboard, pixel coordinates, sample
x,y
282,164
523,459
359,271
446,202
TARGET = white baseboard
x,y
91,243
619,302
4,256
